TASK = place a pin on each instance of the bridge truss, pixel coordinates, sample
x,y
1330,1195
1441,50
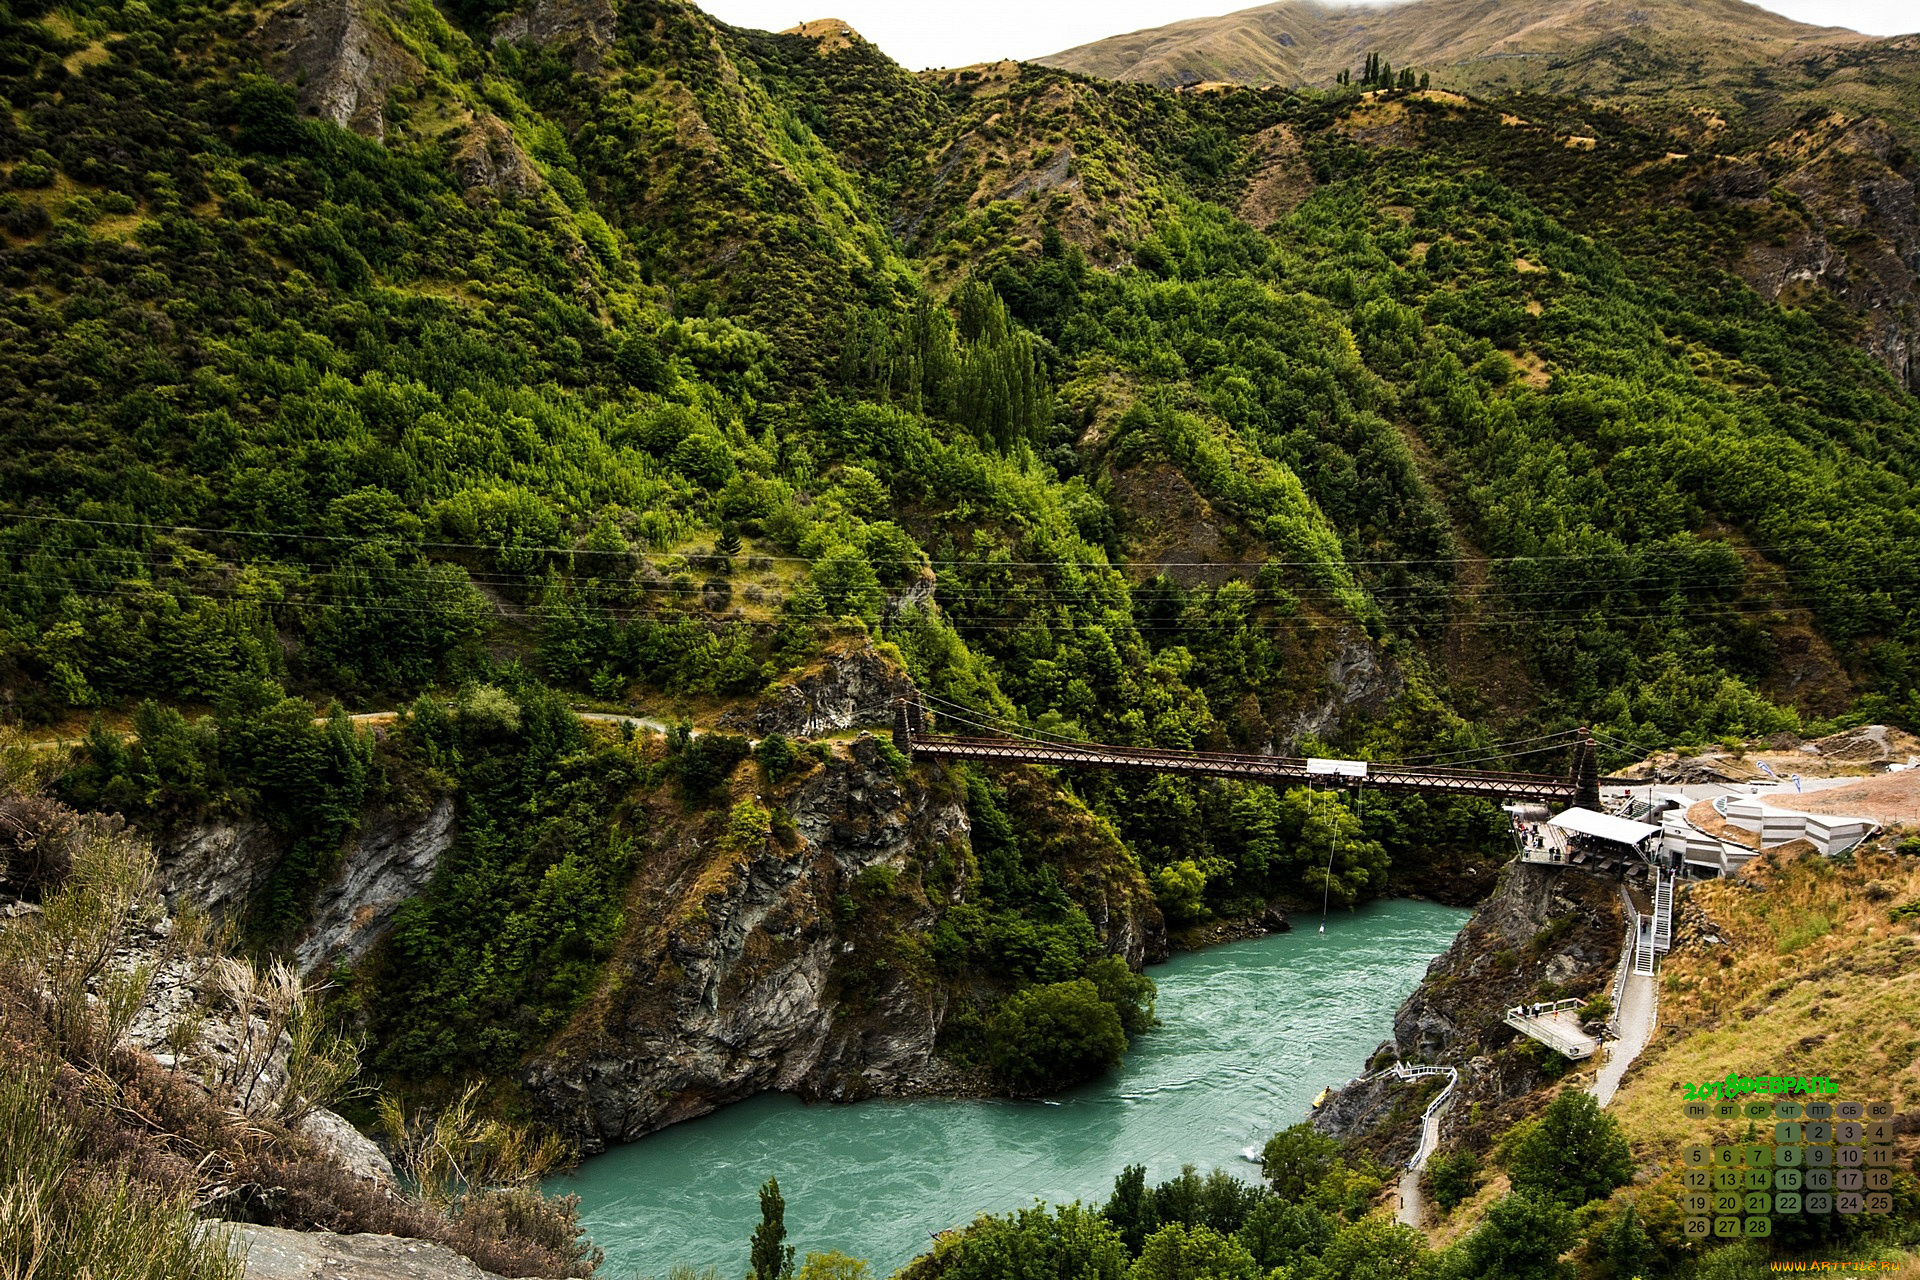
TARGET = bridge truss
x,y
1580,787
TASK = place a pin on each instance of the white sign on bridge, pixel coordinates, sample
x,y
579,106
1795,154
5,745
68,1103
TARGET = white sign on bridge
x,y
1338,768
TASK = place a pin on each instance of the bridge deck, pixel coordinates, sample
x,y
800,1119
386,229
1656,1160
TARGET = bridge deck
x,y
1431,780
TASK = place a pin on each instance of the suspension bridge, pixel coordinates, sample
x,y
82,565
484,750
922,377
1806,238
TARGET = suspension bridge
x,y
1580,785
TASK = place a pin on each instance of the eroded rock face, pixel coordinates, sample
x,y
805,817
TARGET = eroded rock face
x,y
391,861
217,867
755,970
340,59
582,28
1357,679
734,991
490,163
1857,237
850,690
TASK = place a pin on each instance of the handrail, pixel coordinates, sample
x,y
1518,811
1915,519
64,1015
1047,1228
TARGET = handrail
x,y
1430,1118
1620,972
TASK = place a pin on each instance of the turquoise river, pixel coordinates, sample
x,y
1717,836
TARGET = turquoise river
x,y
1249,1033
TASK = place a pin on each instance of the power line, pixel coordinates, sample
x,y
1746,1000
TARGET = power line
x,y
1341,562
1054,627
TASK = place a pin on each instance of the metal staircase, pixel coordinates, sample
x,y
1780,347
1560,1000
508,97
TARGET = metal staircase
x,y
1644,952
1663,913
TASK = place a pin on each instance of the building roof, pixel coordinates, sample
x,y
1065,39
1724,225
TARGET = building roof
x,y
1604,825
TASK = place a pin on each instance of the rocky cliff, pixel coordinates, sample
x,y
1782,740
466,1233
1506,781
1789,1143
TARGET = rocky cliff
x,y
790,959
848,689
342,58
1835,204
217,865
1546,933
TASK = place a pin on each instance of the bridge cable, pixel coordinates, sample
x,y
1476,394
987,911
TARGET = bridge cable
x,y
1000,727
1326,885
998,723
1489,751
1494,756
1436,757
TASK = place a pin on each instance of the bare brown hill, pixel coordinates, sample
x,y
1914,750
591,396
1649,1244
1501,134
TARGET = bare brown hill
x,y
1589,48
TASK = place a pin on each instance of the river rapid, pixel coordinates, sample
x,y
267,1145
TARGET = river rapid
x,y
1250,1032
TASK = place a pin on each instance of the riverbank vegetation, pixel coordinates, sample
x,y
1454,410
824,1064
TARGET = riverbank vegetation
x,y
1565,1208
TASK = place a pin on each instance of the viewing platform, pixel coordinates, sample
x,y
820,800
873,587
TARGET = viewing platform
x,y
1537,840
1578,836
1556,1025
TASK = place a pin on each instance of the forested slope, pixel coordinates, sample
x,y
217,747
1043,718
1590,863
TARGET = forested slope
x,y
359,350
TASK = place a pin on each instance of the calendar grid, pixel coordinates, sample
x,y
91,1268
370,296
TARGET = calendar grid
x,y
1816,1156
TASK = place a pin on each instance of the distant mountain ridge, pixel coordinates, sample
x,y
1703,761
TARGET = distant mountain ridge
x,y
1591,48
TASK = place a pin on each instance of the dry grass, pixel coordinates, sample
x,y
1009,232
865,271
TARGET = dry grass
x,y
1814,980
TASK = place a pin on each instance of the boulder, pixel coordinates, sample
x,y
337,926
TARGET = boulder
x,y
336,1139
274,1253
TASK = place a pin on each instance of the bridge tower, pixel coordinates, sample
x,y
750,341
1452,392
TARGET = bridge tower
x,y
908,719
1586,771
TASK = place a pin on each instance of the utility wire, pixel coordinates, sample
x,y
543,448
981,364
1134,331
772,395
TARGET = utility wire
x,y
1554,557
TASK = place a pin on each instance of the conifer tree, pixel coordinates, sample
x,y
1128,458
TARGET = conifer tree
x,y
772,1257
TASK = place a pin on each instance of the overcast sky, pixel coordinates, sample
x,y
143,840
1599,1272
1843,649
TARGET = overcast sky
x,y
955,33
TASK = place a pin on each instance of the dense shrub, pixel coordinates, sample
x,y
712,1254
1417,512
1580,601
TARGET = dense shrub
x,y
1047,1037
1453,1178
1572,1153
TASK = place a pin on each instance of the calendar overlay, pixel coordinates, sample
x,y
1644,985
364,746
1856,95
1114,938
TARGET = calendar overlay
x,y
1799,1154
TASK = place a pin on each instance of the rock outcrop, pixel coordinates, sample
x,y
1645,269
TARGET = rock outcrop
x,y
780,965
1358,678
581,29
193,1020
490,163
852,689
217,866
732,989
340,59
1847,222
274,1253
392,860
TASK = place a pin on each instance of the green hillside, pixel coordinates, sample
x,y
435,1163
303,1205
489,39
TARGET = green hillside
x,y
734,340
368,355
